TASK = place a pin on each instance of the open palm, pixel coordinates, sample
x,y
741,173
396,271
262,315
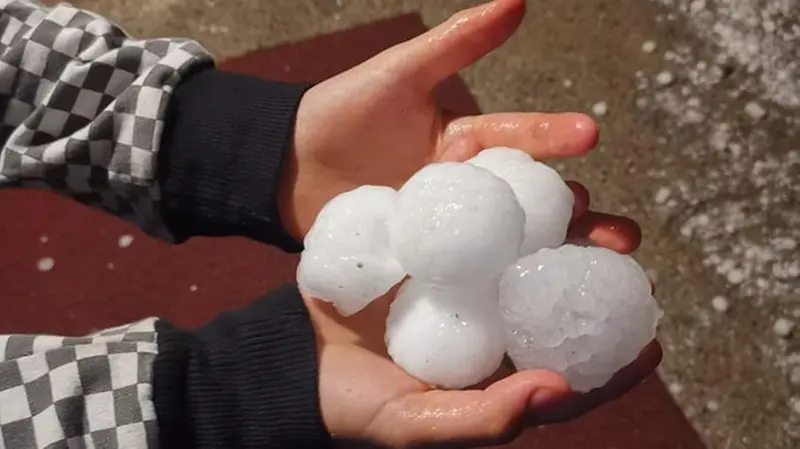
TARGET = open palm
x,y
378,124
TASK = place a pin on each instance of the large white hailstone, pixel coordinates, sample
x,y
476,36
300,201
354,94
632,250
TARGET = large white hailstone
x,y
543,194
348,282
355,220
346,260
456,223
582,312
449,337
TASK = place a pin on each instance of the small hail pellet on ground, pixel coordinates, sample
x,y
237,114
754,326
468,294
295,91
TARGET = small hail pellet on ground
x,y
489,272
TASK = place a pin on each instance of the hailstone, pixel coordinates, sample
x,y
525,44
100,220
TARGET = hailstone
x,y
455,223
346,260
449,337
542,193
583,312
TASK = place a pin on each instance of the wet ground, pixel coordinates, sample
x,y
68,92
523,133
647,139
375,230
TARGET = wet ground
x,y
698,105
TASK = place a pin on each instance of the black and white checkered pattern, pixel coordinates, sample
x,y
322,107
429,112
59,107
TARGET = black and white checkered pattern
x,y
83,106
89,392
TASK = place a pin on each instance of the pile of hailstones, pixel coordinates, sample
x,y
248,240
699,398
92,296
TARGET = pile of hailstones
x,y
480,250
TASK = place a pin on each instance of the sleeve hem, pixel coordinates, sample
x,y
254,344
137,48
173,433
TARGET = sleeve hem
x,y
224,146
247,379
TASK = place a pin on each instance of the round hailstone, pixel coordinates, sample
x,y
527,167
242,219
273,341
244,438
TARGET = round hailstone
x,y
755,110
449,337
665,78
456,223
582,312
540,190
600,108
346,260
355,220
350,283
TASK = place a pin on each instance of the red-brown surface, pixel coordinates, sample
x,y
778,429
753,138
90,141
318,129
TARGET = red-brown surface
x,y
96,284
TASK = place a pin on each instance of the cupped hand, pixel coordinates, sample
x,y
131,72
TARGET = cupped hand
x,y
378,124
365,397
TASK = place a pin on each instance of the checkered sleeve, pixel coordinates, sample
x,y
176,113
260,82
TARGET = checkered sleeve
x,y
94,391
83,107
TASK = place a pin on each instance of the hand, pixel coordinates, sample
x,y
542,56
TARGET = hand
x,y
378,124
365,398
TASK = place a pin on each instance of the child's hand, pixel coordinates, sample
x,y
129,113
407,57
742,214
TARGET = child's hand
x,y
365,396
378,123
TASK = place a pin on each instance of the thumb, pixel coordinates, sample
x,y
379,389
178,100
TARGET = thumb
x,y
455,44
467,418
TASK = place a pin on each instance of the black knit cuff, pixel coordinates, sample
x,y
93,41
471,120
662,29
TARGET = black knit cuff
x,y
249,379
223,148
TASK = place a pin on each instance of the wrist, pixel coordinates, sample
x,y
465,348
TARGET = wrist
x,y
298,194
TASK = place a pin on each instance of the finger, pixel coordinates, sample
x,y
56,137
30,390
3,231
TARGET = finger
x,y
582,199
544,136
620,234
575,405
467,36
470,416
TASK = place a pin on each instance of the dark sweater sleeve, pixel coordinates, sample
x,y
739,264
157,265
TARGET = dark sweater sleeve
x,y
223,149
248,379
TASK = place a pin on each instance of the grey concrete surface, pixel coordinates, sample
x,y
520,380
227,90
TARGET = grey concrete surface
x,y
715,185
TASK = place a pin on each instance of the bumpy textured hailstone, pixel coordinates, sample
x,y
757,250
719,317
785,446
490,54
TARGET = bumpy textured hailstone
x,y
449,337
582,312
543,194
346,260
456,223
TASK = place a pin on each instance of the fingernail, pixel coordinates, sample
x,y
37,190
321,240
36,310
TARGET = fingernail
x,y
545,396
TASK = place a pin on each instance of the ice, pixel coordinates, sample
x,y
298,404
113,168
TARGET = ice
x,y
350,282
649,46
457,231
600,108
449,337
355,220
754,110
540,190
720,304
783,327
346,260
455,223
583,312
665,78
